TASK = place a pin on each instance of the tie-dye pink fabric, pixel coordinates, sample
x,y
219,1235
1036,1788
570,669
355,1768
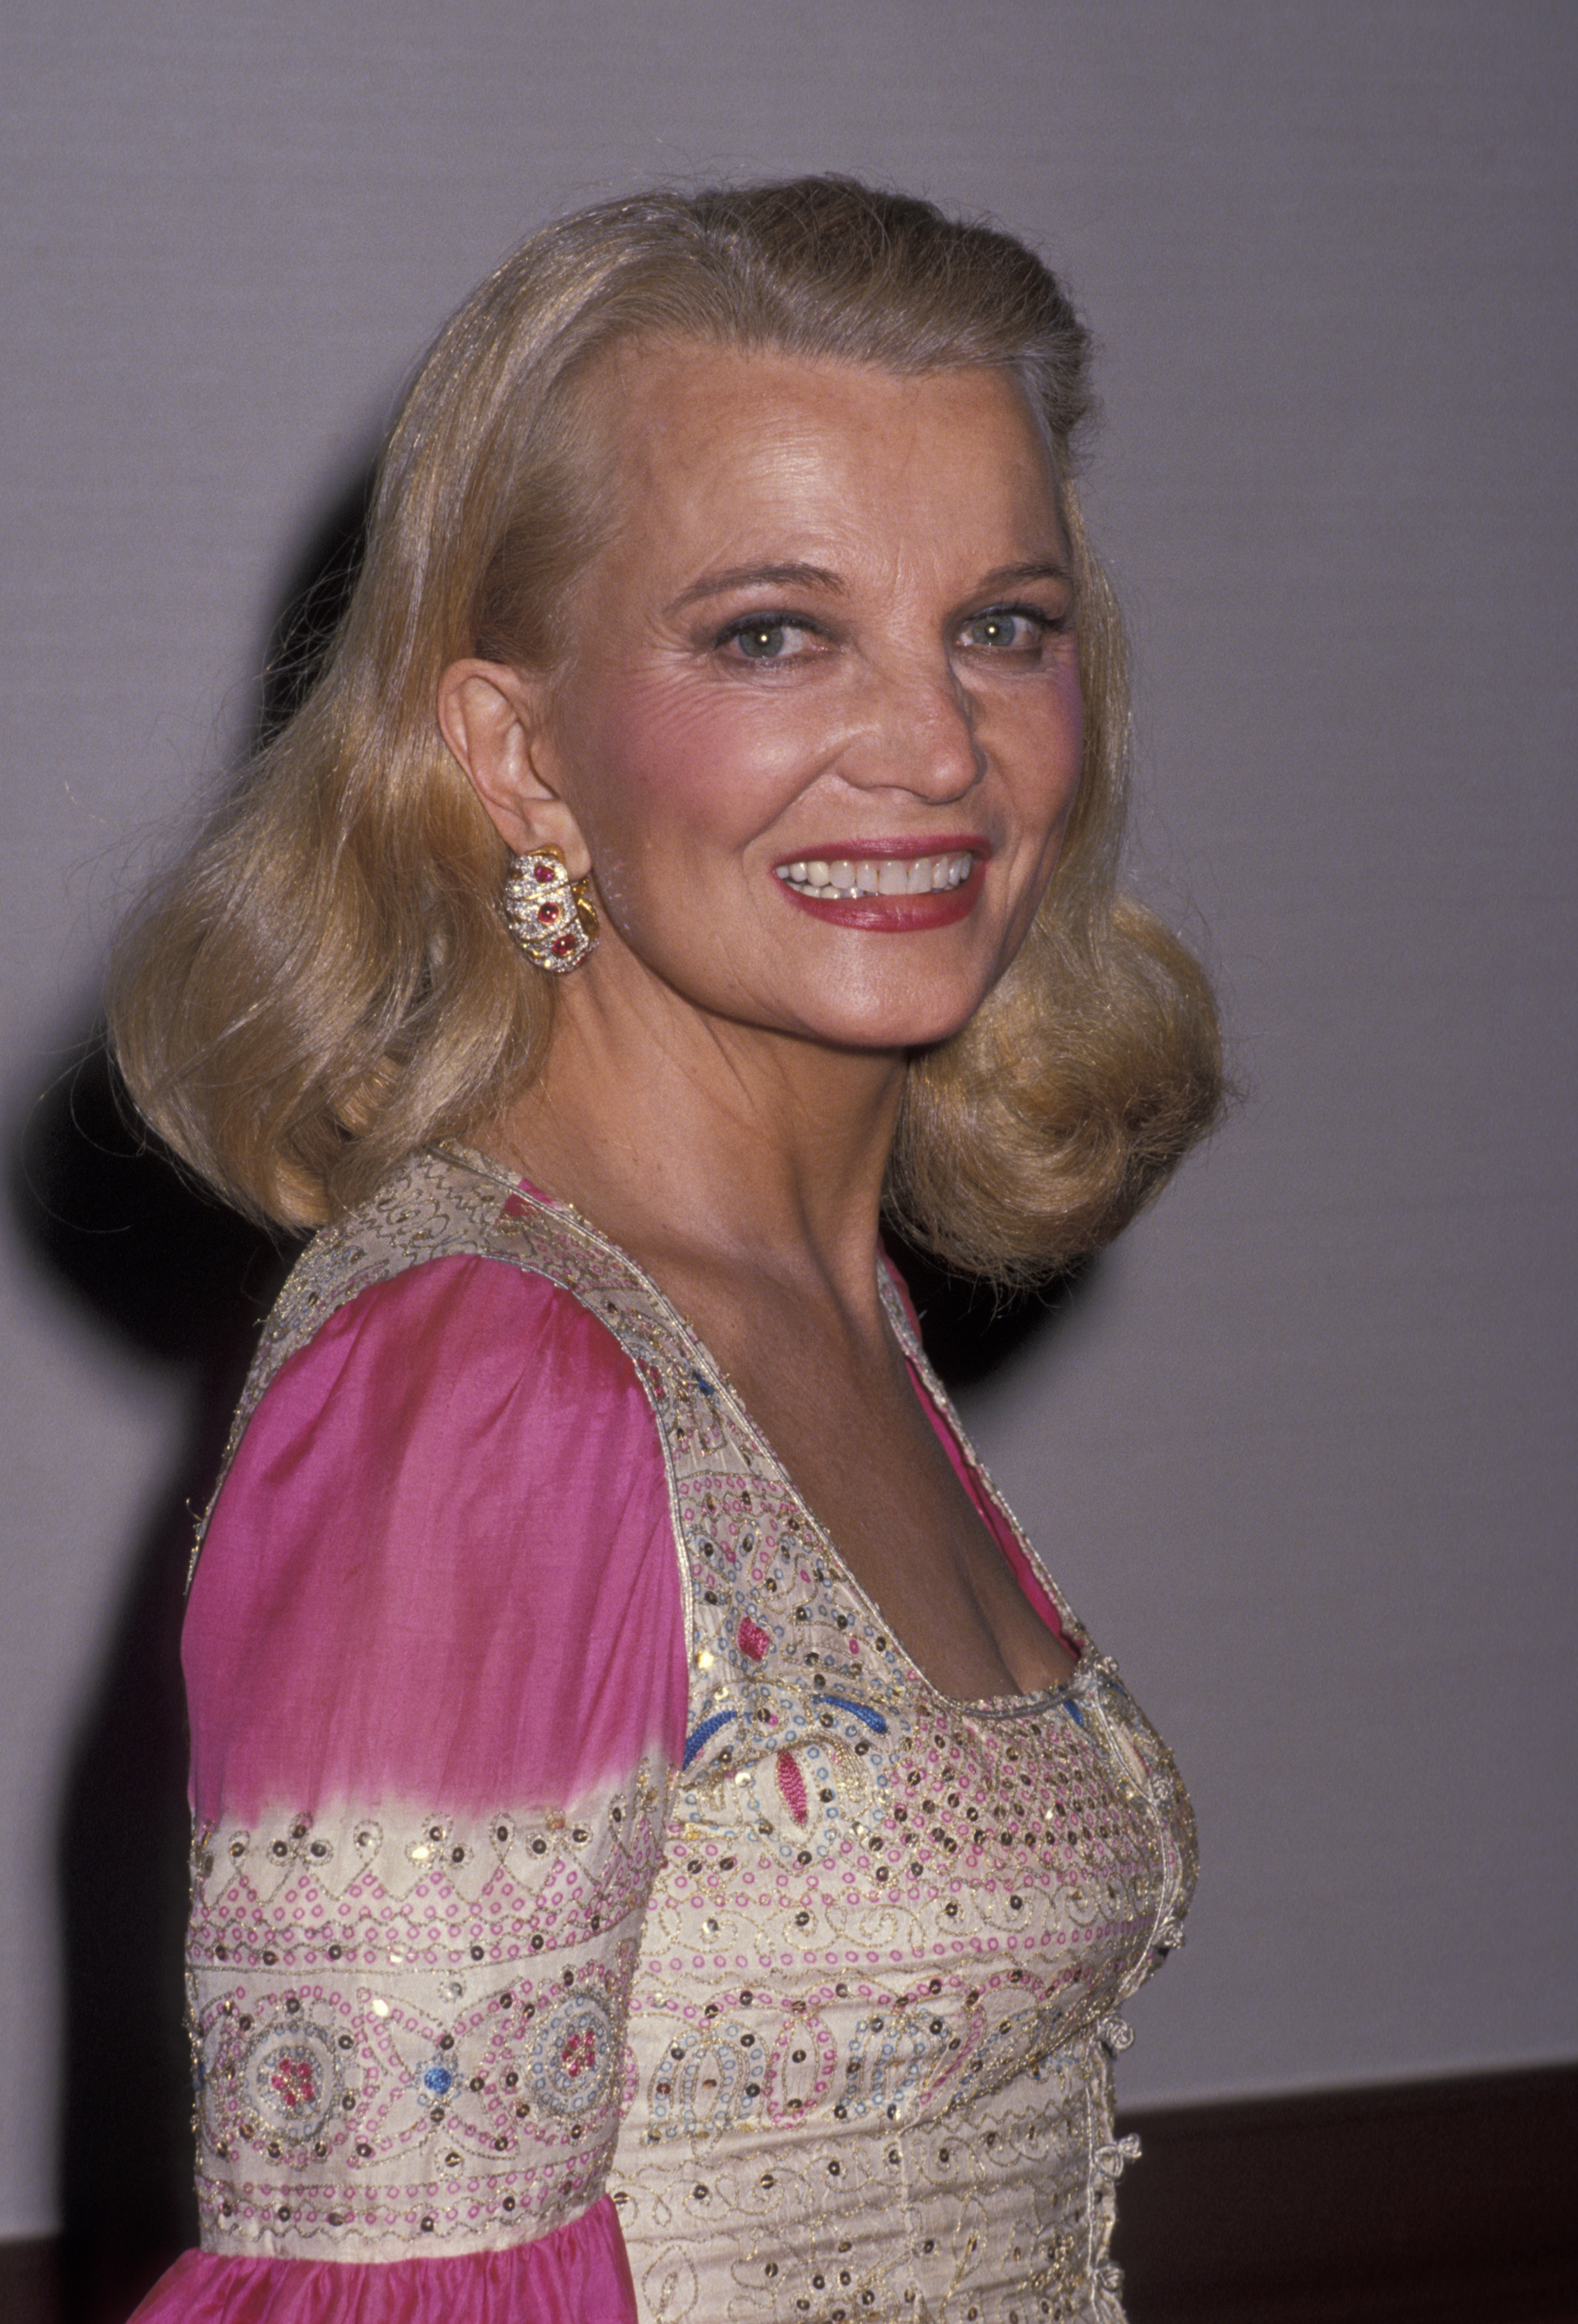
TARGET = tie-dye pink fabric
x,y
442,1564
442,1570
579,2274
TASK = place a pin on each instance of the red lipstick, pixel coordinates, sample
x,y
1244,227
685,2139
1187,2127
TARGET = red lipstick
x,y
845,883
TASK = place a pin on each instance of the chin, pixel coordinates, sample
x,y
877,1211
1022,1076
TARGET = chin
x,y
895,1029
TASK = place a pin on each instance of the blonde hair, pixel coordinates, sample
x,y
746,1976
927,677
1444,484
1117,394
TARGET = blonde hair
x,y
325,981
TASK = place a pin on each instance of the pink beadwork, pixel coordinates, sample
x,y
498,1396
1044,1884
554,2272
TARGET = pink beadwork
x,y
409,2028
793,1784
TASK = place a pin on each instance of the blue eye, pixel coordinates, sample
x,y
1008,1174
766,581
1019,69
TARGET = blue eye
x,y
761,640
1004,627
769,637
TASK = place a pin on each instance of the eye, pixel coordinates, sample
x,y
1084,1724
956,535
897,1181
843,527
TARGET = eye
x,y
768,638
1010,629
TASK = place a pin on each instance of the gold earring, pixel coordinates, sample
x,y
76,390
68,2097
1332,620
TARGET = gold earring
x,y
550,916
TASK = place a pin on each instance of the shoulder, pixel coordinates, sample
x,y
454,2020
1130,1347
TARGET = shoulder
x,y
426,1393
435,1406
450,1334
445,1239
454,1490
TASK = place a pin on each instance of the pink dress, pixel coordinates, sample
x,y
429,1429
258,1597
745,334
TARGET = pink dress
x,y
596,1916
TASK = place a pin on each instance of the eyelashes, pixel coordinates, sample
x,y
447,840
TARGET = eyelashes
x,y
1028,627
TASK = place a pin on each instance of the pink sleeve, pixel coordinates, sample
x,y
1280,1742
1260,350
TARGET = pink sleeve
x,y
435,1663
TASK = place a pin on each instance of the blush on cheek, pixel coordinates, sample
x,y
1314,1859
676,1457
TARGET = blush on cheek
x,y
668,783
1070,758
642,765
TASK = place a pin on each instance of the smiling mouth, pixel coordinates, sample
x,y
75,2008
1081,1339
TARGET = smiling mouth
x,y
834,880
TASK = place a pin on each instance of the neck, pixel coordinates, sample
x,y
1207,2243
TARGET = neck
x,y
680,1134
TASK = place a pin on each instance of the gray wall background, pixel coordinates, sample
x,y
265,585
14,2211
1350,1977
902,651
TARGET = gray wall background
x,y
1303,1455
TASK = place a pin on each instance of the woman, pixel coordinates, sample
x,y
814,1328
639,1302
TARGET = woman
x,y
664,1848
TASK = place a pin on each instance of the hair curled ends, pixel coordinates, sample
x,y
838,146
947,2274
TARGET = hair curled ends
x,y
325,980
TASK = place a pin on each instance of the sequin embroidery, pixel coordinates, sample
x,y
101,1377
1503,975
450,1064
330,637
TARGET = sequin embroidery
x,y
867,1950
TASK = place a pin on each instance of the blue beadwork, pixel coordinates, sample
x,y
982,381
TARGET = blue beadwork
x,y
862,1711
699,1737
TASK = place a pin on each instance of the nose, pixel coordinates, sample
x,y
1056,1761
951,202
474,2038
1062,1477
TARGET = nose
x,y
914,731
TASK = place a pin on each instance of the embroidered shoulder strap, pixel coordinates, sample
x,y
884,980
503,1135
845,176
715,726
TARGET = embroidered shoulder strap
x,y
449,1203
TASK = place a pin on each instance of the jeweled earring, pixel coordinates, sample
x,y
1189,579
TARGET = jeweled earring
x,y
550,916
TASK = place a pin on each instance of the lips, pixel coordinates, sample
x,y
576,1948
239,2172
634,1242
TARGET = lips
x,y
845,877
885,892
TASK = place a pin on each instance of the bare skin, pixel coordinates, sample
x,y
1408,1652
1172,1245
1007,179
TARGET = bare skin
x,y
831,621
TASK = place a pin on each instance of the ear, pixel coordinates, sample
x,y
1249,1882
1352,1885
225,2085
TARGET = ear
x,y
492,719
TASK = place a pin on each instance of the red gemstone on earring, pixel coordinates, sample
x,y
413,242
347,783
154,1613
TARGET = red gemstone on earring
x,y
560,945
542,873
547,914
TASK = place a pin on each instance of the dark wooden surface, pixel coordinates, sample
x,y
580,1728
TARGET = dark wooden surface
x,y
1425,2203
1443,2202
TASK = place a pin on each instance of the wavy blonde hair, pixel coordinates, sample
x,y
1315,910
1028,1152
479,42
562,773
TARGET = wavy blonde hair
x,y
324,980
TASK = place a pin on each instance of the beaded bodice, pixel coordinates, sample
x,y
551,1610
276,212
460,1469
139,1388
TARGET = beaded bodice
x,y
861,1952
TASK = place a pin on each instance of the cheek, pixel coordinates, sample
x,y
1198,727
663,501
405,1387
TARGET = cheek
x,y
657,773
1048,762
1070,723
1046,754
1065,764
630,781
1072,755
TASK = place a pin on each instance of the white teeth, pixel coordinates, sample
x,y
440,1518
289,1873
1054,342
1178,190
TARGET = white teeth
x,y
888,875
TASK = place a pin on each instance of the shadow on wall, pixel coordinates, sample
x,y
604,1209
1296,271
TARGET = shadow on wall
x,y
166,1272
177,1281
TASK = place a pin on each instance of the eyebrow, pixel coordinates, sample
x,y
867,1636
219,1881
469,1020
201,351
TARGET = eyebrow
x,y
1037,568
758,577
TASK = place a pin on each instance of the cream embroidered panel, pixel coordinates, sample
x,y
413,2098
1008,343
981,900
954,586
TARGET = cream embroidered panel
x,y
409,2032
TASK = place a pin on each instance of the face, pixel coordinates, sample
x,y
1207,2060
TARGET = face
x,y
818,723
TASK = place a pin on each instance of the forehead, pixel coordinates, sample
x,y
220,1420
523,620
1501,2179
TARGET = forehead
x,y
708,447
